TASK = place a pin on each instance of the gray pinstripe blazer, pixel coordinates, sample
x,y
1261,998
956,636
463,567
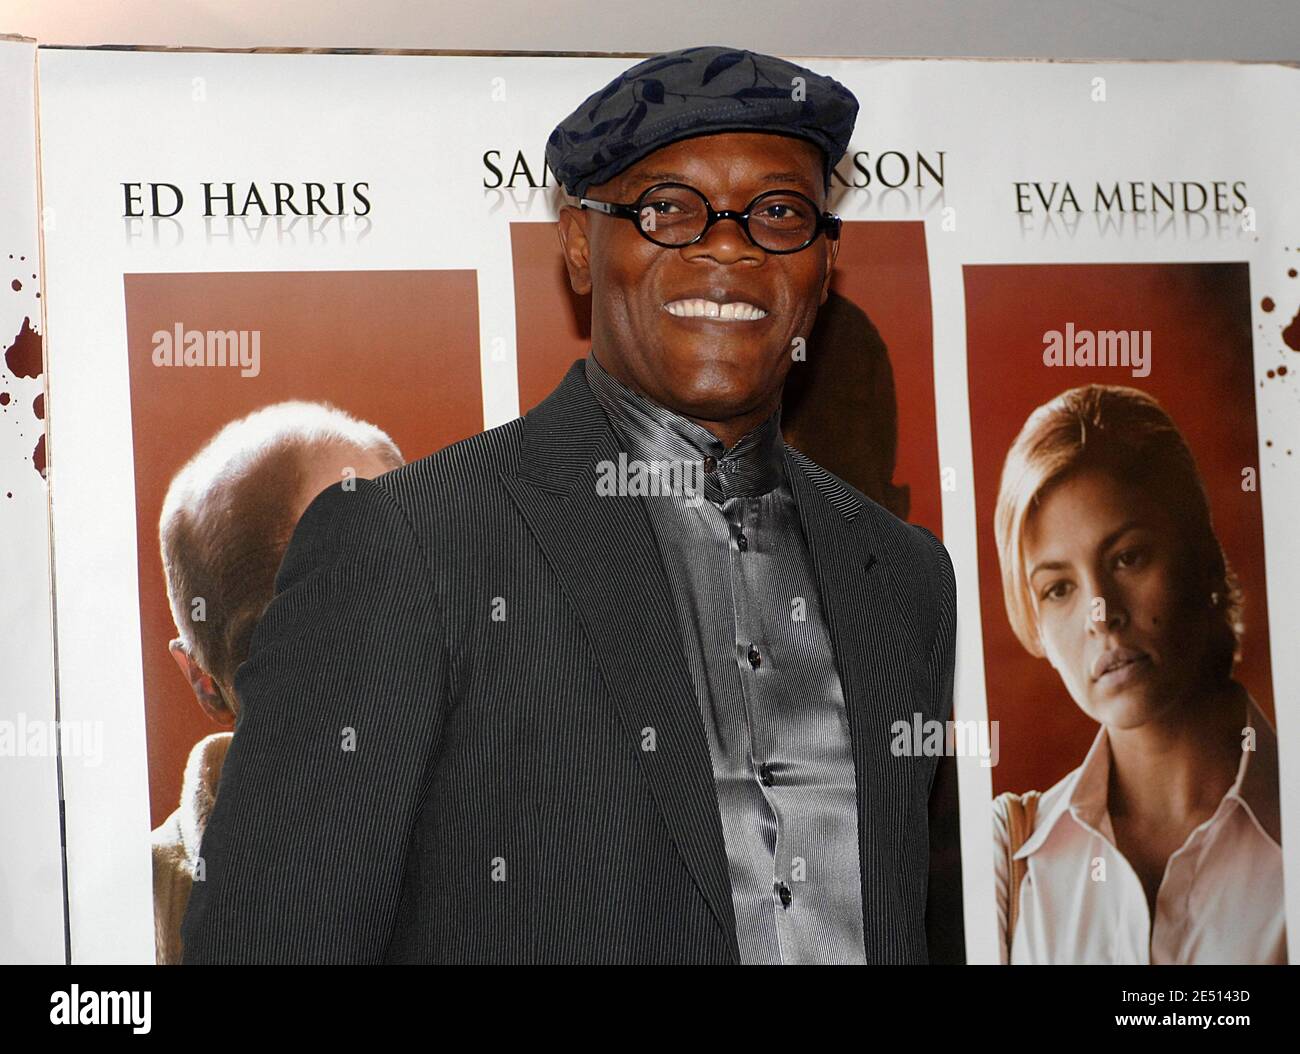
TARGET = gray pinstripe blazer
x,y
440,749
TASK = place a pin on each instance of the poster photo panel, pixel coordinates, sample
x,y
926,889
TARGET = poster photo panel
x,y
252,392
1125,614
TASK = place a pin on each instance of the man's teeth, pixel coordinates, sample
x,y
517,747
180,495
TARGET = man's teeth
x,y
737,310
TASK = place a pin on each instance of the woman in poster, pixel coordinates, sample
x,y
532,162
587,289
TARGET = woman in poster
x,y
1164,844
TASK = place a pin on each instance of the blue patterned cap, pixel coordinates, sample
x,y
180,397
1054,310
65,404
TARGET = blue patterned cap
x,y
698,91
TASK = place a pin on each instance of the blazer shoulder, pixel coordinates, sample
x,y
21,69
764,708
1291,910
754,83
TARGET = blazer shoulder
x,y
920,560
460,474
346,521
901,540
494,450
393,510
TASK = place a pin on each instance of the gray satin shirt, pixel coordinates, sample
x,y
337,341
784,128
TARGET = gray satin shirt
x,y
759,654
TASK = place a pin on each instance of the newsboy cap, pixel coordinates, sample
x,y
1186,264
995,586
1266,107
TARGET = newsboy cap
x,y
698,91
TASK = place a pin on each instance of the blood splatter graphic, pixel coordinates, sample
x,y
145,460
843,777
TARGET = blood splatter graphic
x,y
1267,303
4,398
38,407
24,358
1291,335
16,285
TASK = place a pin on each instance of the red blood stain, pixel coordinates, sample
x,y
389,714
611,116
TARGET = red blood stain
x,y
1291,273
17,285
4,398
1281,371
1291,335
24,358
1267,303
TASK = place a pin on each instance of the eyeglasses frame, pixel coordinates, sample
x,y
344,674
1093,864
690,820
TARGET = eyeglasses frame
x,y
827,222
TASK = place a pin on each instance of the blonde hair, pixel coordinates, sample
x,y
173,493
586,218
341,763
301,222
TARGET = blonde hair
x,y
1128,434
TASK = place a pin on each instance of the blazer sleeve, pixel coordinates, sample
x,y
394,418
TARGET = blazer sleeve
x,y
943,648
342,700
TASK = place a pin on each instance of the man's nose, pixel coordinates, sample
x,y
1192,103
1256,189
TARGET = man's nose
x,y
726,242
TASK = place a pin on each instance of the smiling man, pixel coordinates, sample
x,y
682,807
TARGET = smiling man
x,y
709,329
515,716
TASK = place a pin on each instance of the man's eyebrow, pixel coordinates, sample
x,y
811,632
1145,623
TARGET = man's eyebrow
x,y
784,177
661,177
650,178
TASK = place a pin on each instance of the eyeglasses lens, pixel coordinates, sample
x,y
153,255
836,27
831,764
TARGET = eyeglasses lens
x,y
779,221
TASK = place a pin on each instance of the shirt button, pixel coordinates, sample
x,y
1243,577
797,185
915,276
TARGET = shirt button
x,y
765,775
783,891
742,542
710,464
755,660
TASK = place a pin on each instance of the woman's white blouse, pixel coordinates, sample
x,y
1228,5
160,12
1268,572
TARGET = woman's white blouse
x,y
1220,900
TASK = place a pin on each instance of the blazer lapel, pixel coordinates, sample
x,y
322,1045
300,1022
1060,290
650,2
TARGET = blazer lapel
x,y
870,635
604,552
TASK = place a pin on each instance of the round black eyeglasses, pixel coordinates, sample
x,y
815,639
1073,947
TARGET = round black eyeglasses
x,y
675,215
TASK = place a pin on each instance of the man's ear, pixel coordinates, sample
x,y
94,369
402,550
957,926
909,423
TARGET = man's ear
x,y
202,684
576,248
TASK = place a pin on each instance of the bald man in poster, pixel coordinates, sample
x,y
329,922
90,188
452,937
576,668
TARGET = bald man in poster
x,y
515,717
225,524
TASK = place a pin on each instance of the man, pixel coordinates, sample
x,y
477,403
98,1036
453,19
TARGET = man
x,y
226,521
522,710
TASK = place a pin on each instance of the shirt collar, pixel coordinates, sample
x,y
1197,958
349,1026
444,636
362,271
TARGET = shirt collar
x,y
1084,792
199,789
754,466
1257,776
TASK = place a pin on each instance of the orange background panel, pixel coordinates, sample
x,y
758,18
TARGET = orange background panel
x,y
399,349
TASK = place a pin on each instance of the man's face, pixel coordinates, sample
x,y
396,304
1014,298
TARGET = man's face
x,y
710,369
